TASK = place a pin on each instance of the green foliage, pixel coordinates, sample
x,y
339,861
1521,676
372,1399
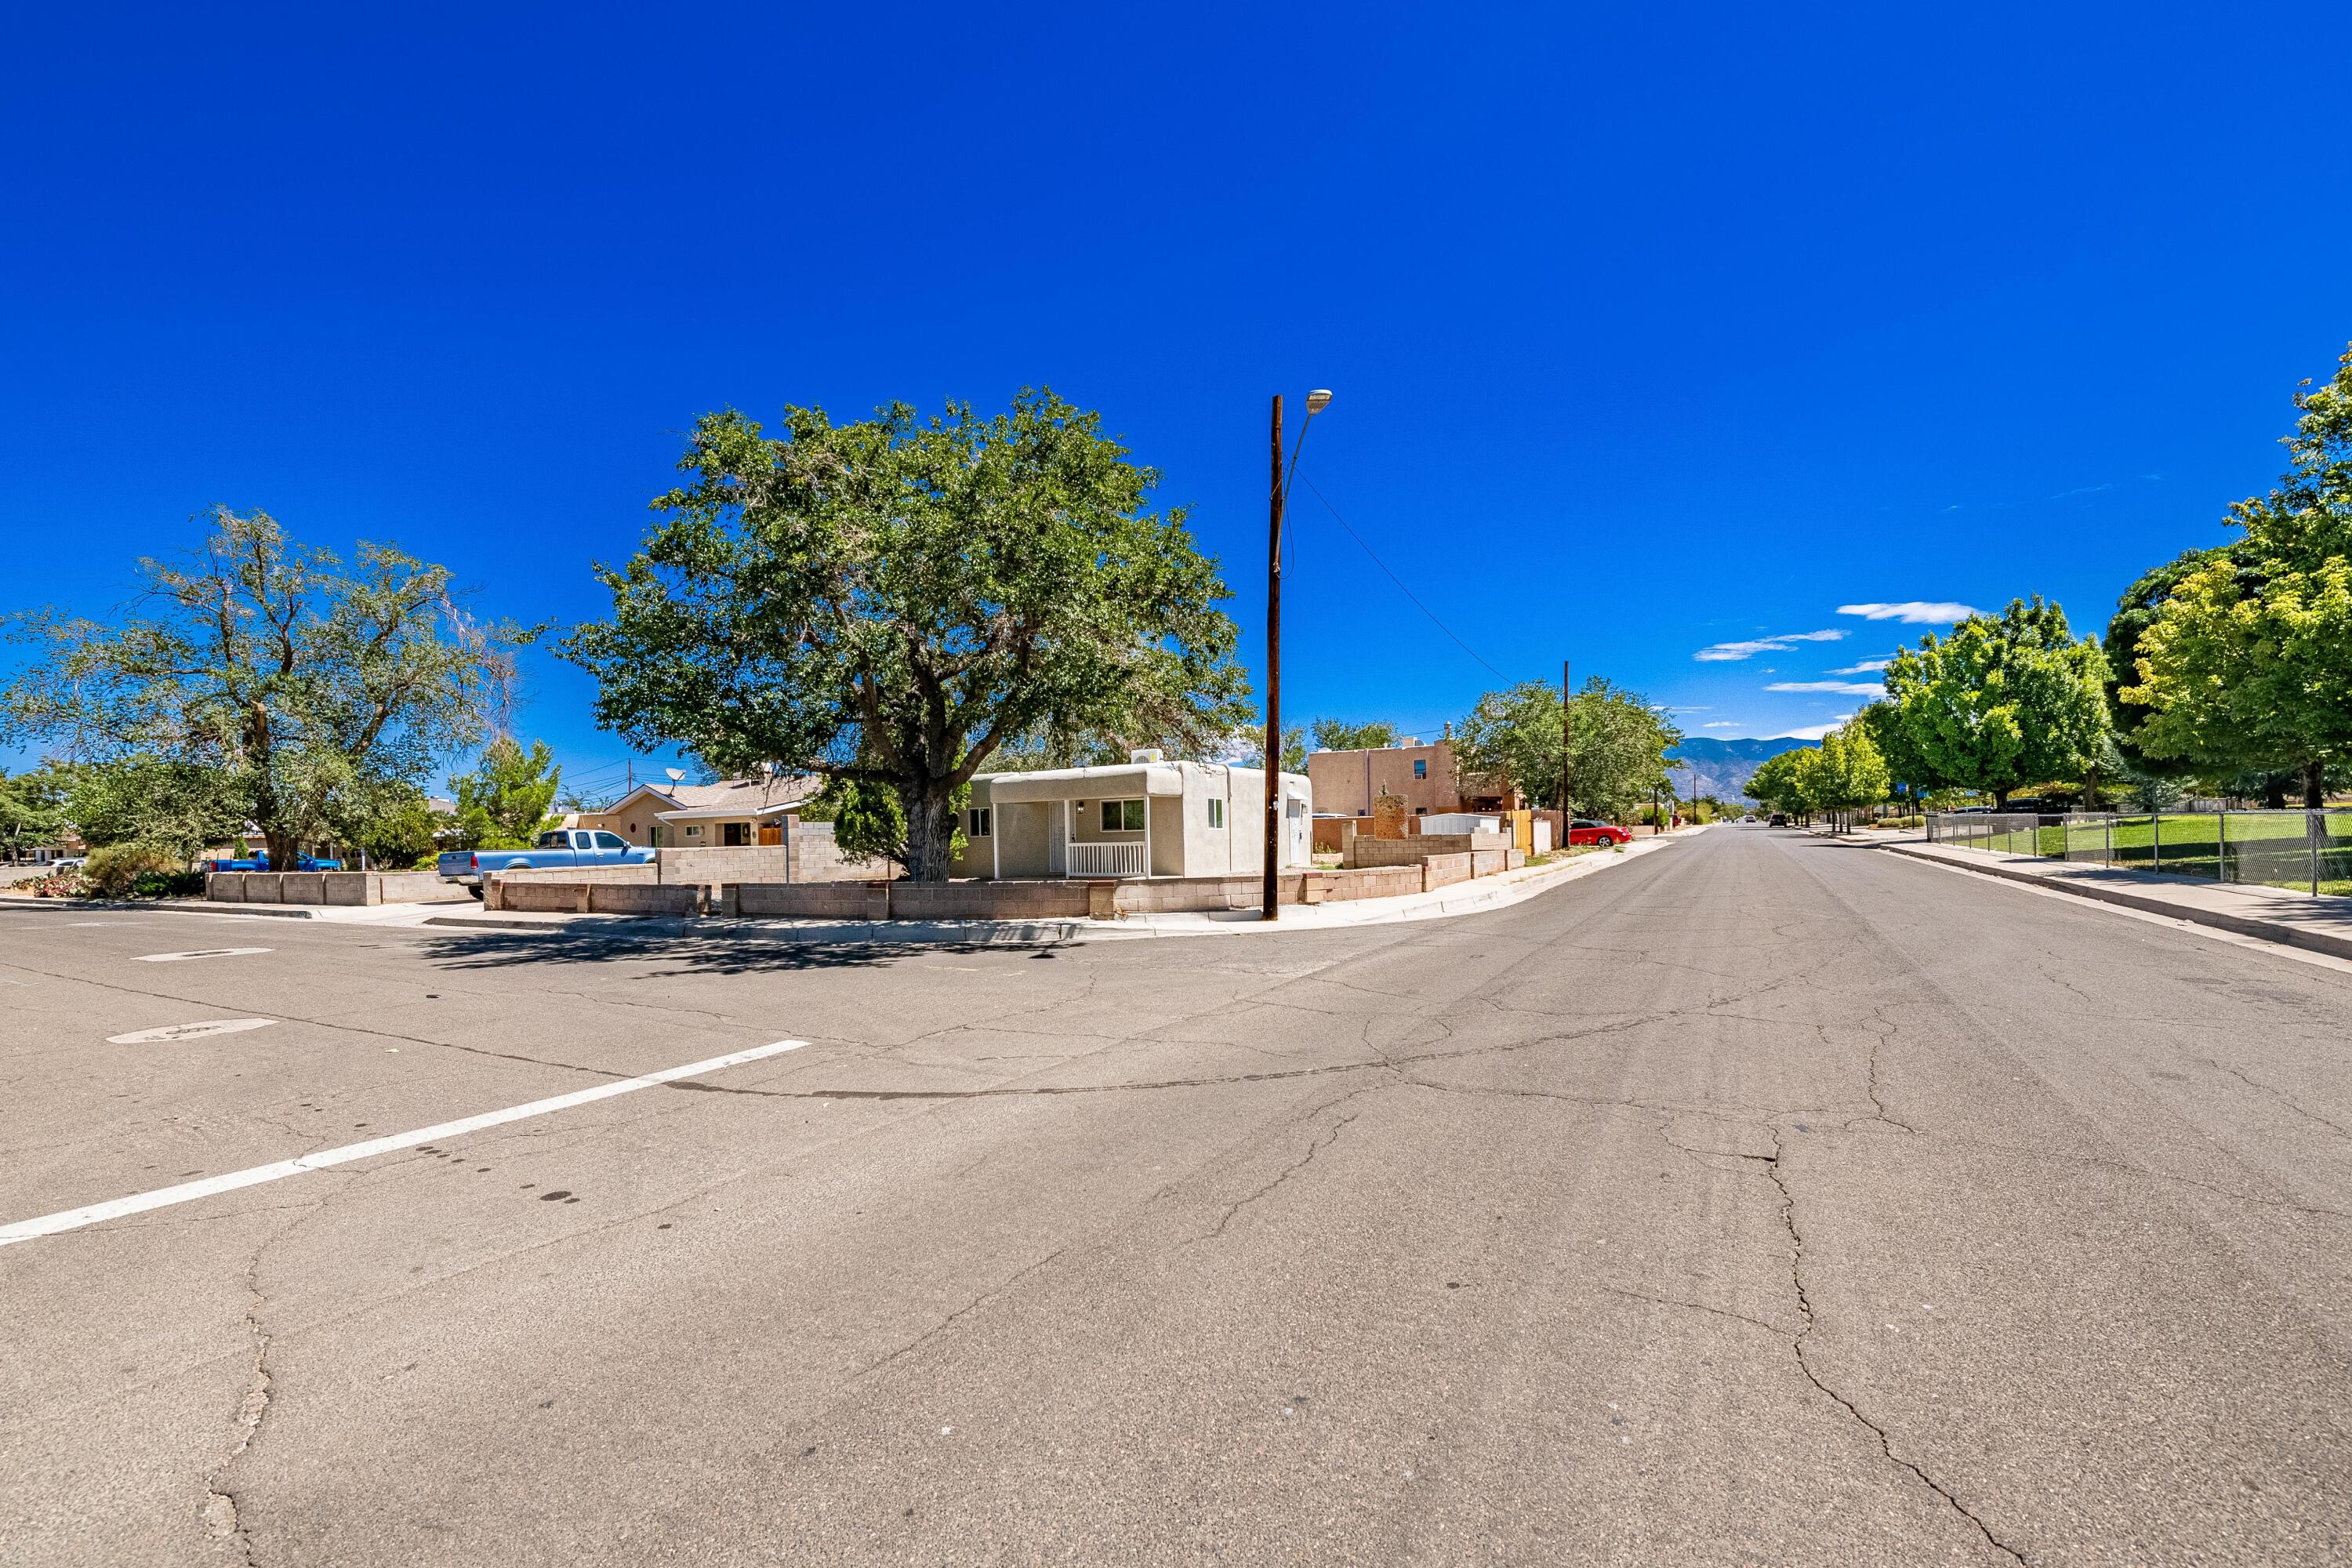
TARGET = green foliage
x,y
2248,661
889,602
291,679
1339,735
1779,783
868,821
112,871
1847,772
32,808
2003,700
502,804
396,829
176,807
1616,745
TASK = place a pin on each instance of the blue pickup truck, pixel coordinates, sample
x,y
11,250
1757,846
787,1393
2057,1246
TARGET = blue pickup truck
x,y
260,862
558,846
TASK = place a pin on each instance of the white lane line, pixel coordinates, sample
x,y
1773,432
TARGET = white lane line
x,y
188,1192
195,1031
199,953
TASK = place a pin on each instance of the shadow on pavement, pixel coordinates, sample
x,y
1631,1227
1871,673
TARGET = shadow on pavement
x,y
736,953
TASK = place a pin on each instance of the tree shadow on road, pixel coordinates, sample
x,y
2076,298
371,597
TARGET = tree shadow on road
x,y
732,954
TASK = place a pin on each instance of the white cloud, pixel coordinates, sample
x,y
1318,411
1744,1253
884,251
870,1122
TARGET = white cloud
x,y
1778,642
1710,724
1810,732
1913,612
1842,687
1867,666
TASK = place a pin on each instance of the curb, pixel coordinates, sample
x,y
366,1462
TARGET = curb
x,y
2107,893
166,906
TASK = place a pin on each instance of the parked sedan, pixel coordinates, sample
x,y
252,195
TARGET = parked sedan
x,y
1584,830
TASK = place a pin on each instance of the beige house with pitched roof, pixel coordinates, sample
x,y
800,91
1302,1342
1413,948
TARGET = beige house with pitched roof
x,y
731,813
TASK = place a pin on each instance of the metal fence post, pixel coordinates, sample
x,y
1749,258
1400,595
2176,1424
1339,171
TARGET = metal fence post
x,y
2155,837
2313,824
2110,861
2221,844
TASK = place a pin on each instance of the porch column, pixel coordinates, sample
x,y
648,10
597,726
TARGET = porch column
x,y
995,856
1146,827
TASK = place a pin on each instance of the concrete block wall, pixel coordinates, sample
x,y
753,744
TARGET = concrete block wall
x,y
710,867
1006,900
587,898
814,900
335,888
1416,847
647,873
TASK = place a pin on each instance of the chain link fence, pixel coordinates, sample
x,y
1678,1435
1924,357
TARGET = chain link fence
x,y
2310,850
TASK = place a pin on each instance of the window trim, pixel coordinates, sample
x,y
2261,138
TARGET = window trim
x,y
1216,811
1142,812
979,821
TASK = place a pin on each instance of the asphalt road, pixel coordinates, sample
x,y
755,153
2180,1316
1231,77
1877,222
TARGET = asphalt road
x,y
1760,1201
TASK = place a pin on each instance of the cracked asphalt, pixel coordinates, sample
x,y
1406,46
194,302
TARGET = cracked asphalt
x,y
1760,1201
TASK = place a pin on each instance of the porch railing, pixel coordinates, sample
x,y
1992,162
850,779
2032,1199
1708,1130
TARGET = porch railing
x,y
1118,859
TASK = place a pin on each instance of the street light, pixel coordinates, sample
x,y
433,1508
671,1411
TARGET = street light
x,y
1316,401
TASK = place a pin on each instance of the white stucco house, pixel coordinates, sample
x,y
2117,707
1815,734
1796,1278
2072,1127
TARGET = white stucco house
x,y
1145,818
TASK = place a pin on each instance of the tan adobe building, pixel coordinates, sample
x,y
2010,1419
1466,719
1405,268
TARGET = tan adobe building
x,y
1423,778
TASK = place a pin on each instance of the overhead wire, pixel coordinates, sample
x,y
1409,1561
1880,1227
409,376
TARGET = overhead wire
x,y
1392,577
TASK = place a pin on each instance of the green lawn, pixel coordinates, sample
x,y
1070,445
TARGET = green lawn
x,y
2271,850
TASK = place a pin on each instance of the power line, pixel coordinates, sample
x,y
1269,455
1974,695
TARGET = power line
x,y
1392,577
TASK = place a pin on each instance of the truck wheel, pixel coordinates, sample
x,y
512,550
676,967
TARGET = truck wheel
x,y
476,890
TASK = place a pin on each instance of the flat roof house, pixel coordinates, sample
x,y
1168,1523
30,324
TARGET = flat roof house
x,y
1141,818
1423,778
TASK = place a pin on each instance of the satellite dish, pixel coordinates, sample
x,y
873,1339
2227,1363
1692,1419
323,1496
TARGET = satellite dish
x,y
676,774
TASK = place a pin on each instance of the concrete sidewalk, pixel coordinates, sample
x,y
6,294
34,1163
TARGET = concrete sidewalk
x,y
2321,924
1498,891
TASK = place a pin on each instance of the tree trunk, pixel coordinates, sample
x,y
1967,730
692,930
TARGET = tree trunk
x,y
930,837
2314,787
2001,800
2275,791
284,850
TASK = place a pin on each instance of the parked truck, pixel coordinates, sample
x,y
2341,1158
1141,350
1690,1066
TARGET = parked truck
x,y
557,847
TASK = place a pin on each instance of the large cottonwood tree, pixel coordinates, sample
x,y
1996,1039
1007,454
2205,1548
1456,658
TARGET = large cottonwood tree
x,y
296,685
889,601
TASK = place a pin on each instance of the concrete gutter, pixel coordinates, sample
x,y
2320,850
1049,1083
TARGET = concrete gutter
x,y
2321,924
1498,891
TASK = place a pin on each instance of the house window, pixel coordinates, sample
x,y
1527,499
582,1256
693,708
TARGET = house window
x,y
1421,811
693,832
1122,816
978,820
1421,767
1216,813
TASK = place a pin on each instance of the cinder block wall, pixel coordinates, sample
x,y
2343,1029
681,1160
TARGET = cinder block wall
x,y
745,863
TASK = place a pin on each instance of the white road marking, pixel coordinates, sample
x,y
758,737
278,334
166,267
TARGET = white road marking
x,y
195,1031
200,952
188,1192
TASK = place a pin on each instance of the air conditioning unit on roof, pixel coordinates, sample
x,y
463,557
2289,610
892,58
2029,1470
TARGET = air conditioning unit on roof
x,y
1146,754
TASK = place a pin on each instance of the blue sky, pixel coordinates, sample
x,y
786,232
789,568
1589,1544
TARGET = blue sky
x,y
1652,329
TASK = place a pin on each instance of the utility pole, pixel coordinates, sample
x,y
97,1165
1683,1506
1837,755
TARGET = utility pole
x,y
1274,678
1563,753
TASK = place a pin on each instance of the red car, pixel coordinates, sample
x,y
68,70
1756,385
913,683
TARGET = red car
x,y
1584,830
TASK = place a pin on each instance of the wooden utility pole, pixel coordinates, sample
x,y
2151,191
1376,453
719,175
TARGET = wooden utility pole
x,y
1563,754
1274,678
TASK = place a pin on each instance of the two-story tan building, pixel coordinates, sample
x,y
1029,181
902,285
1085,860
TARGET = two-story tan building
x,y
1423,777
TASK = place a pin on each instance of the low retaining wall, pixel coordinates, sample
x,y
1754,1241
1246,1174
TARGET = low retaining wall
x,y
979,900
339,888
589,898
1367,851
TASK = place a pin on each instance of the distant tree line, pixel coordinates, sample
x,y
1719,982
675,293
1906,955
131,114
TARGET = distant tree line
x,y
2228,669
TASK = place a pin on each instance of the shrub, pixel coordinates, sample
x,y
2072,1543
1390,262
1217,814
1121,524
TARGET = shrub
x,y
168,885
116,869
